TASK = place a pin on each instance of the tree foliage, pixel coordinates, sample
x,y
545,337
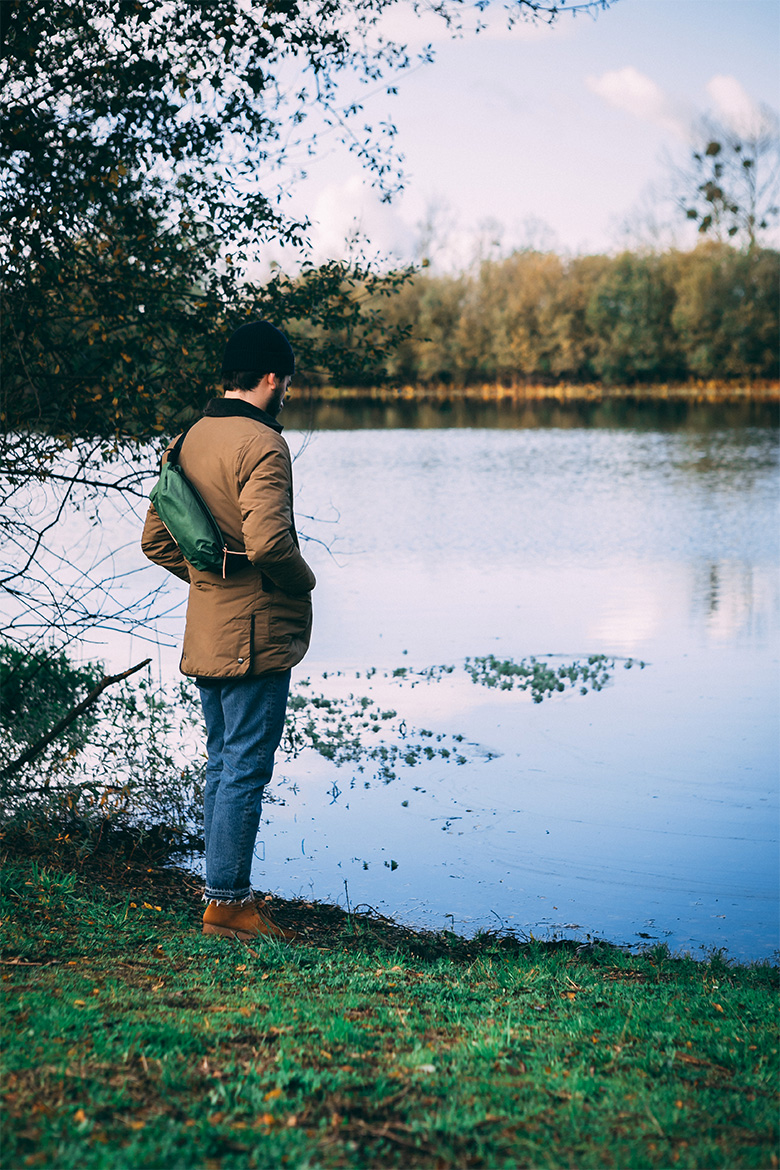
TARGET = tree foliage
x,y
635,318
141,143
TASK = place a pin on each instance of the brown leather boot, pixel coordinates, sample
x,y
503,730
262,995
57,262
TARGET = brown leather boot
x,y
242,920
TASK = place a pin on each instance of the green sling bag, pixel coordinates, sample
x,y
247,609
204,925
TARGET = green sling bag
x,y
189,520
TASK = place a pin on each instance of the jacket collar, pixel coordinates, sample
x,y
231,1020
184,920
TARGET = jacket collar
x,y
236,407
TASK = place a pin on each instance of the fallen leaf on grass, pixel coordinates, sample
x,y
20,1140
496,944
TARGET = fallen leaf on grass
x,y
265,1119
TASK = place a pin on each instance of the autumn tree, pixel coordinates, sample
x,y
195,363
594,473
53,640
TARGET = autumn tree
x,y
726,311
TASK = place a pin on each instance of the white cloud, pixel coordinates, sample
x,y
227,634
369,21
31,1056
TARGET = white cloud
x,y
348,216
629,90
735,107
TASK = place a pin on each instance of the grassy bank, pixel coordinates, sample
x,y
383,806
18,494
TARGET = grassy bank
x,y
520,392
131,1040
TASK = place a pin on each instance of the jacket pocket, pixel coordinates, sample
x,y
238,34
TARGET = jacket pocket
x,y
289,617
223,649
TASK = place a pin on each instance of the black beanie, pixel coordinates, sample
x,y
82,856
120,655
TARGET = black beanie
x,y
260,346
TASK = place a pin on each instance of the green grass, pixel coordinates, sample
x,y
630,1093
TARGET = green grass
x,y
131,1040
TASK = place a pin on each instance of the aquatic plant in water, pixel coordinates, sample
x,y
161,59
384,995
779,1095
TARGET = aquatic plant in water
x,y
542,678
355,729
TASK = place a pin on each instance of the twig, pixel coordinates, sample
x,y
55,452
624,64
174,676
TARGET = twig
x,y
25,963
349,909
58,728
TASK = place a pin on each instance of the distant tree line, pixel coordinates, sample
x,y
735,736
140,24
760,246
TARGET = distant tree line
x,y
710,313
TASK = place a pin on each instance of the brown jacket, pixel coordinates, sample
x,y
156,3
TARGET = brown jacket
x,y
257,620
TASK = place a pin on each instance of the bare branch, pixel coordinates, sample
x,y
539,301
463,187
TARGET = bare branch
x,y
35,750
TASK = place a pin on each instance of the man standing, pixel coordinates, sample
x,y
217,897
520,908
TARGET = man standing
x,y
245,630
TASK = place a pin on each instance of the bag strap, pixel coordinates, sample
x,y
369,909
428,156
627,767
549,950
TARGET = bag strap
x,y
241,560
175,452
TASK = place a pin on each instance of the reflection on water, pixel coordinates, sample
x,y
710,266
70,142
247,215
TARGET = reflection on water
x,y
636,413
733,601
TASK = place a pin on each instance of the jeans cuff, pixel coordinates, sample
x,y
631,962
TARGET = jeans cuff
x,y
223,897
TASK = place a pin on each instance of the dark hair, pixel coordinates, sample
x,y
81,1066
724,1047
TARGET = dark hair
x,y
245,379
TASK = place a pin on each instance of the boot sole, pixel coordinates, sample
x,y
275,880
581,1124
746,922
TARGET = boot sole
x,y
228,932
245,935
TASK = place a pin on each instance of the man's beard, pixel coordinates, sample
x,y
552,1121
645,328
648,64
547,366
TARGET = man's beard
x,y
276,404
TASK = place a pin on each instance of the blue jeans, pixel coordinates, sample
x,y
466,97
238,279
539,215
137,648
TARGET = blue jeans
x,y
244,725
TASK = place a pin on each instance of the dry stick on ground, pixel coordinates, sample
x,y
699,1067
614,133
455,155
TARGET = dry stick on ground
x,y
66,720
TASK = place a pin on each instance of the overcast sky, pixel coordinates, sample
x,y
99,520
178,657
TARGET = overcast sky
x,y
553,137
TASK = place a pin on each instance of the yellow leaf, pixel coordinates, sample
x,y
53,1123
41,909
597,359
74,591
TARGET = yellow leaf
x,y
274,1093
718,1007
78,1003
79,1116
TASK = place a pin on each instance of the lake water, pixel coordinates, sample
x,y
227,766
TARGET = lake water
x,y
644,811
